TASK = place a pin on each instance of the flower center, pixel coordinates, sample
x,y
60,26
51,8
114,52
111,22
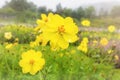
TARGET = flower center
x,y
61,29
32,62
46,20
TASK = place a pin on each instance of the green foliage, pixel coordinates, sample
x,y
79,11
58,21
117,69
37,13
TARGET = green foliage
x,y
90,12
115,11
7,11
19,10
20,5
70,66
23,33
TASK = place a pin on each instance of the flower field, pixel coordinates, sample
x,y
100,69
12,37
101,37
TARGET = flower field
x,y
57,49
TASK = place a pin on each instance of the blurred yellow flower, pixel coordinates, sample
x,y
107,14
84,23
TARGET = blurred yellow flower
x,y
110,51
111,28
16,43
8,46
103,41
34,44
8,35
83,45
85,23
16,39
32,62
85,39
116,57
60,31
40,39
95,41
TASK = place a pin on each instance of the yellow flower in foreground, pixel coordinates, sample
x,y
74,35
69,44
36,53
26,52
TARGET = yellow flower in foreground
x,y
103,41
111,28
85,23
32,62
8,35
60,31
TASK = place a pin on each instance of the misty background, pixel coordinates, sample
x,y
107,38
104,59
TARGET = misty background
x,y
100,12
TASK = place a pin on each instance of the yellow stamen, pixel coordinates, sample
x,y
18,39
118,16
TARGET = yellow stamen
x,y
32,62
61,29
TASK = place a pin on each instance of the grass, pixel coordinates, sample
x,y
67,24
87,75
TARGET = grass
x,y
71,66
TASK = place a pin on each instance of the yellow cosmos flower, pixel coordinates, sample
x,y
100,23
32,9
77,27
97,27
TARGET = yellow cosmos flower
x,y
85,39
111,28
40,39
60,31
103,41
8,35
41,23
83,45
85,23
32,62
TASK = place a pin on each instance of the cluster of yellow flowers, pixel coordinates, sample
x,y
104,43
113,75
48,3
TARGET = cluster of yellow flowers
x,y
57,30
83,45
8,36
39,39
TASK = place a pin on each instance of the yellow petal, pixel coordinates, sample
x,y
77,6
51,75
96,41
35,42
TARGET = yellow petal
x,y
71,28
26,69
62,43
43,16
70,38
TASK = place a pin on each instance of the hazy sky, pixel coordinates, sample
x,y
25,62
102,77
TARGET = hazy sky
x,y
65,3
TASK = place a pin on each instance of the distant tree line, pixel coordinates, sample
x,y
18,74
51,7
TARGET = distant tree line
x,y
24,11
